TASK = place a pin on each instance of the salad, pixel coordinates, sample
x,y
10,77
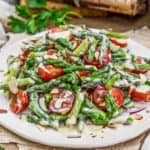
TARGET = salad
x,y
74,75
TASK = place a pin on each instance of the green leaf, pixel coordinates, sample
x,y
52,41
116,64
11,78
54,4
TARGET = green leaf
x,y
42,20
36,3
23,11
2,148
58,16
31,26
16,24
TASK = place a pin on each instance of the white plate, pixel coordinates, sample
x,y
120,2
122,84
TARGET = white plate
x,y
53,138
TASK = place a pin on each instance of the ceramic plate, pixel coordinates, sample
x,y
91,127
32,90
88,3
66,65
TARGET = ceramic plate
x,y
50,137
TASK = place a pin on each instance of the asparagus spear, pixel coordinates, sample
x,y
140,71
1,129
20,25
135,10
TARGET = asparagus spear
x,y
33,75
58,117
103,48
142,67
90,110
93,34
59,47
111,105
76,108
69,78
91,82
100,71
58,63
92,49
35,119
81,122
112,80
4,86
25,81
34,107
119,55
81,48
20,82
79,68
64,42
113,34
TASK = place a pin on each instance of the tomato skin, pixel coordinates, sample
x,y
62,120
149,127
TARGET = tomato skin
x,y
117,95
65,106
98,97
24,55
49,72
83,73
122,45
19,102
139,96
55,29
96,63
51,51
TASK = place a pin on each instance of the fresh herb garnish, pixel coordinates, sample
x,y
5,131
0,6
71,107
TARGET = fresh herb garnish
x,y
2,148
33,22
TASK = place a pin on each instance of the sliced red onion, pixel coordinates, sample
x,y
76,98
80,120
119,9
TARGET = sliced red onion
x,y
136,110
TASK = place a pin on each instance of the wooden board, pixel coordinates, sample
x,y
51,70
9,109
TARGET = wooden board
x,y
84,11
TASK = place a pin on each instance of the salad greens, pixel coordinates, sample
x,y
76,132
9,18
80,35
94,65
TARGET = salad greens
x,y
74,75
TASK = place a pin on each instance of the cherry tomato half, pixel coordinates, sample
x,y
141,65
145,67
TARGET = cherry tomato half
x,y
98,96
24,55
83,73
121,44
96,63
19,101
49,72
117,95
56,29
139,96
62,101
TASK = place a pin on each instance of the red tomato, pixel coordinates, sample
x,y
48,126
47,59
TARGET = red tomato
x,y
139,96
117,95
98,97
51,51
122,45
83,73
62,101
49,72
19,102
24,55
56,29
96,63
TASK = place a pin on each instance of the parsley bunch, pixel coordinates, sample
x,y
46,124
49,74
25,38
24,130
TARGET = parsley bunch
x,y
33,22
